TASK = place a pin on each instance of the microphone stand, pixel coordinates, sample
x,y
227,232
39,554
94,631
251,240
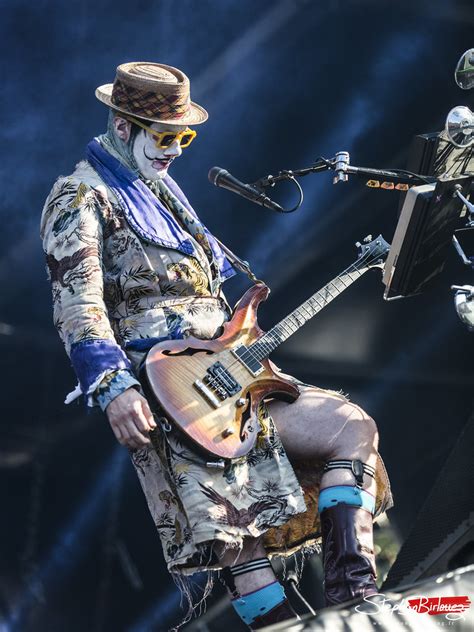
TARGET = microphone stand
x,y
340,164
464,297
464,294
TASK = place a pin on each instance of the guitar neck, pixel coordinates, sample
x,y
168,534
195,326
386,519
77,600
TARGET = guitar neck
x,y
264,346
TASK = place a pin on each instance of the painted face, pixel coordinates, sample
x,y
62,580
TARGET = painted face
x,y
152,161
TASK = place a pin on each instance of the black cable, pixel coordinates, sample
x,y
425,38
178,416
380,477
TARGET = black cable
x,y
292,582
411,174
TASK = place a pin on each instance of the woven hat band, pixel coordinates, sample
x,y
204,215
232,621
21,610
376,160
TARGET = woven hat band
x,y
149,104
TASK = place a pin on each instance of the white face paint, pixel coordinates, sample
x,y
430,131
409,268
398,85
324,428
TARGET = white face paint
x,y
152,161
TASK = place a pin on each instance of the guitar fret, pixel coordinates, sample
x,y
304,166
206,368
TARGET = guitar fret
x,y
282,330
356,272
288,326
295,320
341,282
320,307
323,301
309,314
276,337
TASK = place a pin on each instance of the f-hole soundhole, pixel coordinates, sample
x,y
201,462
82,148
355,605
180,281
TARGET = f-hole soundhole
x,y
189,351
245,417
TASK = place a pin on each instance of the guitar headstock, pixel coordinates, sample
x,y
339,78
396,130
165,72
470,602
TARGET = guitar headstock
x,y
372,252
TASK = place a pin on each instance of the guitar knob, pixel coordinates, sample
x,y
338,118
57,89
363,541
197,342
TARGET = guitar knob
x,y
241,401
227,432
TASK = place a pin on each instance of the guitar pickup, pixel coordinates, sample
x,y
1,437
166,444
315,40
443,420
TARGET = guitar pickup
x,y
222,381
248,360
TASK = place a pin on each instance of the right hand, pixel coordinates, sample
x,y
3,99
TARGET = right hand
x,y
131,419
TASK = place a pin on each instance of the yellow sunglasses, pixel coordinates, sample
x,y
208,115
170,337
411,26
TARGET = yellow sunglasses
x,y
165,139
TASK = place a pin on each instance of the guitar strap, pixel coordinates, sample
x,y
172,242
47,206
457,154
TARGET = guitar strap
x,y
180,214
237,262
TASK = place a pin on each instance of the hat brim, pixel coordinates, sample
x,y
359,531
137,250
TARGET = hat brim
x,y
195,116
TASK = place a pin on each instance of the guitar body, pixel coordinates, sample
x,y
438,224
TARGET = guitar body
x,y
212,388
206,390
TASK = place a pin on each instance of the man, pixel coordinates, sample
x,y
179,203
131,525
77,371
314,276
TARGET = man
x,y
131,264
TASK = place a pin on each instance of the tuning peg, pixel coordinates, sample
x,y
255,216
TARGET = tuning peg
x,y
368,239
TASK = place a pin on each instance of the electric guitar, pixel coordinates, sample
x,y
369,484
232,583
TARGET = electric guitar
x,y
212,388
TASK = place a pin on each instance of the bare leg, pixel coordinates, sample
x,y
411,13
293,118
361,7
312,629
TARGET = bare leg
x,y
252,549
317,425
323,426
258,598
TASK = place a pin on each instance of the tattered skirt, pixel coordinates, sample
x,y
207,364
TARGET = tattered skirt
x,y
195,504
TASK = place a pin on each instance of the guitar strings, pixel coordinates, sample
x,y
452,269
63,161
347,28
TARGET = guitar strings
x,y
249,354
347,272
286,329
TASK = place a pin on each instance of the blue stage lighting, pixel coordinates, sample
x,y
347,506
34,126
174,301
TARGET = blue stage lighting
x,y
72,542
358,115
168,606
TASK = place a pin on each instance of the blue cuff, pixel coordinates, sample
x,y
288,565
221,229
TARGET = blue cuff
x,y
112,386
346,495
145,344
90,358
258,602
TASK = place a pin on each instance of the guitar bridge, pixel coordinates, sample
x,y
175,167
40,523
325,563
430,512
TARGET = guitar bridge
x,y
207,393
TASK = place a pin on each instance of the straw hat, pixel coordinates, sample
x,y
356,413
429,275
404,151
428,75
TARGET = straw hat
x,y
154,92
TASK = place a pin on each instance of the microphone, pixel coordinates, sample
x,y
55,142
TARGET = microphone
x,y
222,178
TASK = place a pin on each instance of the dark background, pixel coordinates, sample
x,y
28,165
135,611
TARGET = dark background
x,y
284,81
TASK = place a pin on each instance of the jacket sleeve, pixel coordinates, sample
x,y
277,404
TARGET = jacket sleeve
x,y
71,229
111,386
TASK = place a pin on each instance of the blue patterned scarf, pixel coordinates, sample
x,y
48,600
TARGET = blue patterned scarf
x,y
146,214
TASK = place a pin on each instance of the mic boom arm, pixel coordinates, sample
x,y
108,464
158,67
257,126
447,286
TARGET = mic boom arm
x,y
255,192
340,164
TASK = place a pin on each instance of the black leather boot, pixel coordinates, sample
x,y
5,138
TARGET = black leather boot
x,y
348,554
282,612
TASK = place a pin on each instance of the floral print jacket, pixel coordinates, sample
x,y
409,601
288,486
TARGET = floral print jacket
x,y
112,289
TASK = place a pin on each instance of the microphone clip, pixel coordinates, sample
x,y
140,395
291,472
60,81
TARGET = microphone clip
x,y
270,181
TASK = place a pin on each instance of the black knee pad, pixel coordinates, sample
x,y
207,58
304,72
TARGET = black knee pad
x,y
356,466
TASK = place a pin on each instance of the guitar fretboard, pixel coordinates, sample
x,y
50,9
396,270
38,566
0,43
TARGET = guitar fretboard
x,y
264,346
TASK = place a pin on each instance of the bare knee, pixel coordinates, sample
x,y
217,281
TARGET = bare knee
x,y
324,425
363,424
358,434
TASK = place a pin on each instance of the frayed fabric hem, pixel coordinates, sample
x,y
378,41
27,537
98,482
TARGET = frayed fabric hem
x,y
194,603
194,593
